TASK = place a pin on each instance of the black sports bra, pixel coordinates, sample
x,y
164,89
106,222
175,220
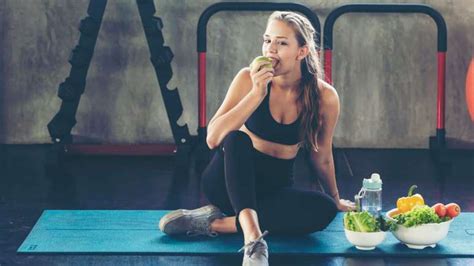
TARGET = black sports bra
x,y
262,124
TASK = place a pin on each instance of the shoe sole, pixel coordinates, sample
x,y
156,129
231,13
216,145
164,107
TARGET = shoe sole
x,y
175,215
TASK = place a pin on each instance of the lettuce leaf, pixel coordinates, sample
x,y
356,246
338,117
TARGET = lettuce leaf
x,y
419,215
360,222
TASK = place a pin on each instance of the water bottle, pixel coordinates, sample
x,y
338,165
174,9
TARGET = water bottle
x,y
369,197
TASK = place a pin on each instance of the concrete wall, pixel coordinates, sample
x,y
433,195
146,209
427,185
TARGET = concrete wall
x,y
384,70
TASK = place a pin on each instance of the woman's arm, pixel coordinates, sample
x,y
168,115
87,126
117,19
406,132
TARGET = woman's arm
x,y
322,160
240,102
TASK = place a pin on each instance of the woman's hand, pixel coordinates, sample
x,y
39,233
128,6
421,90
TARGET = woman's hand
x,y
261,76
345,205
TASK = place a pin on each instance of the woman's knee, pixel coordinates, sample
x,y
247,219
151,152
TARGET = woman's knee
x,y
324,210
308,212
237,137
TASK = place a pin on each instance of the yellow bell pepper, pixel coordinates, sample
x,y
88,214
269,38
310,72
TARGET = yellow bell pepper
x,y
405,204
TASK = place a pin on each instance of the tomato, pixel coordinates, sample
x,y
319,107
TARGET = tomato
x,y
440,209
452,210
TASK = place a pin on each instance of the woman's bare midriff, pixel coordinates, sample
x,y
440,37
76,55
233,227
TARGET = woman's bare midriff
x,y
273,149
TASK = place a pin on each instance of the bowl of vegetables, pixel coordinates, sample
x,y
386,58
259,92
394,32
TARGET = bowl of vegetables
x,y
419,226
363,230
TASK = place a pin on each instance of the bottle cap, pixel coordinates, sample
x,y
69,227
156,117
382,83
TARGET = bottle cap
x,y
374,182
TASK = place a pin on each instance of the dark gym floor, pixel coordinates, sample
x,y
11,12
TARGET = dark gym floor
x,y
137,183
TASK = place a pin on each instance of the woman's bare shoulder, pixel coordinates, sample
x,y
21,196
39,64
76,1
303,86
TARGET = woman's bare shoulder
x,y
328,94
239,87
244,73
243,78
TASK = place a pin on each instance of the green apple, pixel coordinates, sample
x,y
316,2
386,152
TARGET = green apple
x,y
262,59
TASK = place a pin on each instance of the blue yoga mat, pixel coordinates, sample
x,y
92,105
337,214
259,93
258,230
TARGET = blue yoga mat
x,y
119,231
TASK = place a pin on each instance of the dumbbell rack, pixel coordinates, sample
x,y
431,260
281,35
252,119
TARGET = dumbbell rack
x,y
73,87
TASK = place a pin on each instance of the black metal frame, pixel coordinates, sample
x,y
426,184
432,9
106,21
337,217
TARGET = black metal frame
x,y
435,142
73,87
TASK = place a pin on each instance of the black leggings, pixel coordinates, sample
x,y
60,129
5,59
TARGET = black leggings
x,y
239,177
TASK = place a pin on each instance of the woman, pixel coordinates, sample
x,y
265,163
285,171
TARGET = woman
x,y
267,115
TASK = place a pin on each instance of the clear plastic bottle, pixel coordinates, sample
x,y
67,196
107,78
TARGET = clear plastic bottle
x,y
371,194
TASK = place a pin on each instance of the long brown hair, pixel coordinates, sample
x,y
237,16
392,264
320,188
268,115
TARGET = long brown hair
x,y
311,72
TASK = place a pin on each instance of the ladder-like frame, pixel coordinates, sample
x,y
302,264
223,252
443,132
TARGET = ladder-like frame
x,y
73,87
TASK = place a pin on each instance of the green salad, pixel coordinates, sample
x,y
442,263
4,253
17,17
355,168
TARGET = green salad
x,y
364,222
419,215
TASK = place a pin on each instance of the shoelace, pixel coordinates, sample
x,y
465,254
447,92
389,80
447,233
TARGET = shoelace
x,y
201,227
252,245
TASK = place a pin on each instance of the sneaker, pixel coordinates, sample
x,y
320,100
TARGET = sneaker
x,y
256,252
191,222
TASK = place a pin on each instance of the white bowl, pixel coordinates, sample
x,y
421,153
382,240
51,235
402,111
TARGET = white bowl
x,y
420,236
363,240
